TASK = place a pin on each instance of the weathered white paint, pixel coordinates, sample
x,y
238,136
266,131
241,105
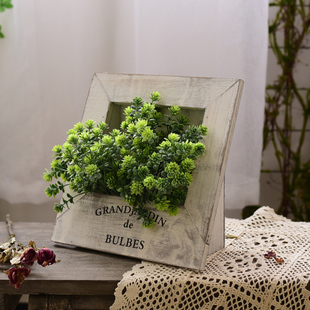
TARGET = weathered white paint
x,y
198,230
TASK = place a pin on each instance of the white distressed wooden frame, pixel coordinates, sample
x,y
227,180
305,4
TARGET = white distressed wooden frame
x,y
184,240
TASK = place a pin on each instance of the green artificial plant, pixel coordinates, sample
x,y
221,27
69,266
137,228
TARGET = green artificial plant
x,y
150,158
4,4
288,33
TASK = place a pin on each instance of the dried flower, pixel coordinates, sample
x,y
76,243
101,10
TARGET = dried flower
x,y
272,254
279,260
17,275
46,257
20,255
29,256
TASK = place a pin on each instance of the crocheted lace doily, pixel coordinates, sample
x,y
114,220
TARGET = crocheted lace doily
x,y
236,277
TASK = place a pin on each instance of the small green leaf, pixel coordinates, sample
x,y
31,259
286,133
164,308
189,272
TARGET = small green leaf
x,y
8,3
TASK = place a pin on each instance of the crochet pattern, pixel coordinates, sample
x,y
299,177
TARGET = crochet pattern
x,y
240,276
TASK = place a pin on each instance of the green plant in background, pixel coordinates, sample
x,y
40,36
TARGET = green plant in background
x,y
4,4
149,159
287,35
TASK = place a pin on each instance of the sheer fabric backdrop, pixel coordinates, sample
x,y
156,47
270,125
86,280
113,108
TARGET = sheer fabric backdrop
x,y
52,49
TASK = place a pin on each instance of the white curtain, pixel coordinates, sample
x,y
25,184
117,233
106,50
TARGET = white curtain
x,y
52,49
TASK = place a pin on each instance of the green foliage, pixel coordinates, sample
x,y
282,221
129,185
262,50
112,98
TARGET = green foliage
x,y
4,4
1,33
287,35
149,159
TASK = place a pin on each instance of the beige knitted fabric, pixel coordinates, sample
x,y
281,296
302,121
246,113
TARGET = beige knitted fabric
x,y
237,277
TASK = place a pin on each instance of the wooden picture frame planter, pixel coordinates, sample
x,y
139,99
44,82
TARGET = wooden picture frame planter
x,y
106,223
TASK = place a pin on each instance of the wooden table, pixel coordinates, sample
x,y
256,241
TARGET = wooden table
x,y
84,279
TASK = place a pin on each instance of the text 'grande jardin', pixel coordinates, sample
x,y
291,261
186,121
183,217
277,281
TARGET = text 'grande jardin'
x,y
106,210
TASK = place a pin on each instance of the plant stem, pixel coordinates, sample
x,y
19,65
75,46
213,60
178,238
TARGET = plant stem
x,y
293,20
10,230
9,225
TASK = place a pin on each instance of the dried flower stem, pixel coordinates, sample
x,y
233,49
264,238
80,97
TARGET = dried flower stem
x,y
9,224
10,229
21,256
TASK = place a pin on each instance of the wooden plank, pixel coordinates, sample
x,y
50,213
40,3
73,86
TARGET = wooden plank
x,y
208,187
216,236
92,302
9,302
59,302
65,302
80,271
59,287
38,302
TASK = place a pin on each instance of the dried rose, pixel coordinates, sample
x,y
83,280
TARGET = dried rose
x,y
29,256
46,257
279,260
17,275
270,254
